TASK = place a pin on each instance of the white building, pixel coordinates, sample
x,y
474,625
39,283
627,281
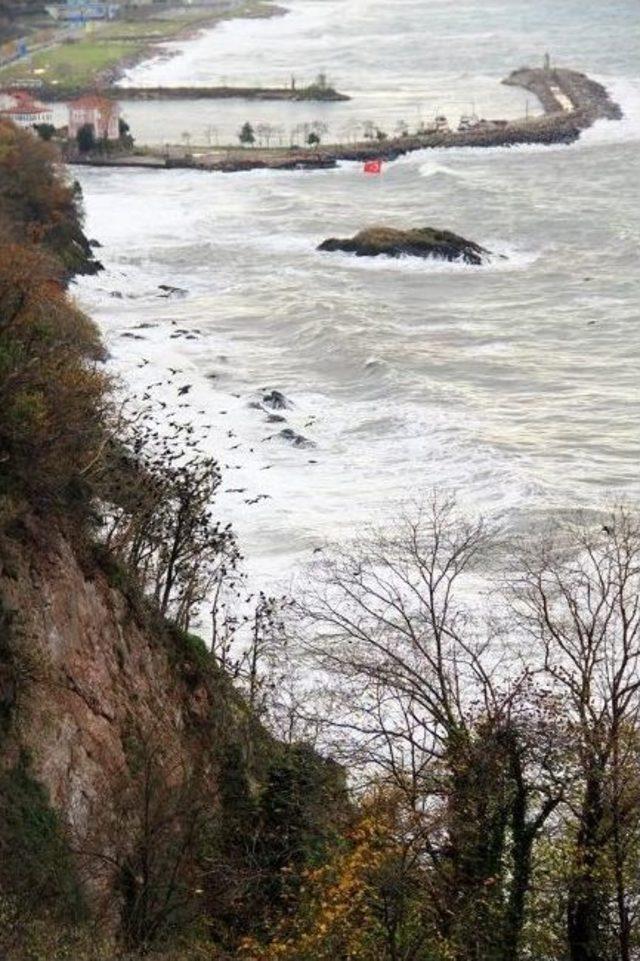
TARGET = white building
x,y
101,114
23,109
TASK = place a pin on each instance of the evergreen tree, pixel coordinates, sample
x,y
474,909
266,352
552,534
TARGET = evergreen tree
x,y
247,136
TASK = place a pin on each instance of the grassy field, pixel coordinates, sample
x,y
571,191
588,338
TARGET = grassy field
x,y
70,63
156,30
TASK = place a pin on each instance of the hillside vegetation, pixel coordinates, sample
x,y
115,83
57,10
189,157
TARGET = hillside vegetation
x,y
164,796
111,713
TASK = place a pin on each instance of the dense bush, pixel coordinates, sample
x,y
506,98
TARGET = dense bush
x,y
51,391
35,862
37,204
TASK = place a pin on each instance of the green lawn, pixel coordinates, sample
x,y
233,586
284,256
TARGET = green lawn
x,y
141,29
70,63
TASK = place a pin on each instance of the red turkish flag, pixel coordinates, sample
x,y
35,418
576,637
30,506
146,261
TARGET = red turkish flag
x,y
373,167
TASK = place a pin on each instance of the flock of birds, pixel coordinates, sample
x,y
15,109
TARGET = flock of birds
x,y
192,437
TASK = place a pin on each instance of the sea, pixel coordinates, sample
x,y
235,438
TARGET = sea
x,y
514,384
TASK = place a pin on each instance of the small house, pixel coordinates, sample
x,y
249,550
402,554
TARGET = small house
x,y
101,114
23,109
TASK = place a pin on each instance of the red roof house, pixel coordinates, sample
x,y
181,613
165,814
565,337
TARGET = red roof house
x,y
23,109
97,112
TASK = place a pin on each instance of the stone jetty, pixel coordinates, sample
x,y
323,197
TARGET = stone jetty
x,y
311,93
566,91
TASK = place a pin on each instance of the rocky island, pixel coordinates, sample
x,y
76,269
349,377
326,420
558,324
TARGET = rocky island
x,y
421,242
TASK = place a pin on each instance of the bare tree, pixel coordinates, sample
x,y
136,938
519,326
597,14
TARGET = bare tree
x,y
265,133
427,700
351,130
211,134
320,129
279,133
158,492
578,602
369,130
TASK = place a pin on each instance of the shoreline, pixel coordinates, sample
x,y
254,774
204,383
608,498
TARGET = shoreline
x,y
144,43
588,102
264,9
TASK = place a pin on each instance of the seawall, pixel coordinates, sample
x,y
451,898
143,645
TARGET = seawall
x,y
295,94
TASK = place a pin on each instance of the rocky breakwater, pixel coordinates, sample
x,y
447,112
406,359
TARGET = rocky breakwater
x,y
567,92
571,102
423,242
311,93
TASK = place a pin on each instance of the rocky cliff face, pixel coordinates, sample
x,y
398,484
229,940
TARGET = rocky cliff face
x,y
83,674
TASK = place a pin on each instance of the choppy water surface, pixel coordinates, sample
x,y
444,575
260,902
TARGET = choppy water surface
x,y
516,383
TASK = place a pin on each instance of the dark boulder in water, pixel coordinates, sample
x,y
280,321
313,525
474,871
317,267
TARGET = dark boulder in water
x,y
276,400
417,242
298,440
169,291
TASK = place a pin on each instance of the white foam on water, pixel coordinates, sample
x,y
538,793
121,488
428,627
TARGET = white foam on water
x,y
434,168
485,379
626,92
504,258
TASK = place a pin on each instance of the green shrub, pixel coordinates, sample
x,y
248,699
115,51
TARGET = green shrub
x,y
36,866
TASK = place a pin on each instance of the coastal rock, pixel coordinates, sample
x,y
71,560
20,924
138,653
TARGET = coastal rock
x,y
276,400
169,291
297,440
416,242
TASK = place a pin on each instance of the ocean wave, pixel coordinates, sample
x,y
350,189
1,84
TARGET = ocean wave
x,y
504,257
435,169
626,92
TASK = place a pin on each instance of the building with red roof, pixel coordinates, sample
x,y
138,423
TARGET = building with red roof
x,y
23,109
101,114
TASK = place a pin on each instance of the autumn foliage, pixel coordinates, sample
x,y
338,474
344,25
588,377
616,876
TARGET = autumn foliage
x,y
51,391
38,205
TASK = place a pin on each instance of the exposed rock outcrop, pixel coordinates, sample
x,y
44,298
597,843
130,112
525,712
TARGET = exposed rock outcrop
x,y
417,242
85,674
276,400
